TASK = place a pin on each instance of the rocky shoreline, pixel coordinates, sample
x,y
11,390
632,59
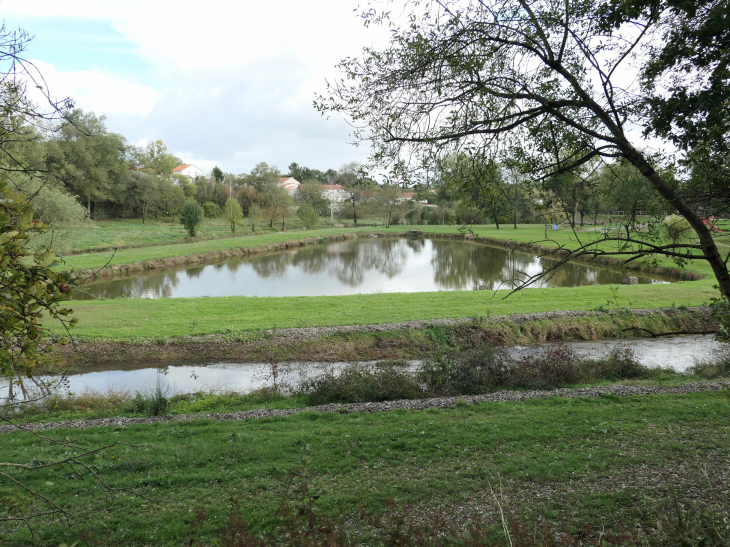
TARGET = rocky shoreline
x,y
387,406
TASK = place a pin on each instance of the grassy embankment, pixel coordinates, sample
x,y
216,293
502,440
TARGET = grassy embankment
x,y
595,468
161,319
97,236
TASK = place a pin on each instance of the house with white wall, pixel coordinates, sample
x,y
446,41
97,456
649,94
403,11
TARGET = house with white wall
x,y
188,170
334,193
291,184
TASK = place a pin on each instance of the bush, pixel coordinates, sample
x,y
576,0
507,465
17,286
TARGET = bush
x,y
480,373
308,215
676,229
211,210
151,404
620,364
718,367
191,216
548,368
358,384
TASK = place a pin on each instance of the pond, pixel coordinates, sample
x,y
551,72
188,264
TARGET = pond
x,y
362,266
679,353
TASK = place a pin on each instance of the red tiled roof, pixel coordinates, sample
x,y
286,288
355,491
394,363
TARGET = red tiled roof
x,y
331,186
408,195
182,167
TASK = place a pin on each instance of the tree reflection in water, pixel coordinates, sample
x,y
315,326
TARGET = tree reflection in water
x,y
372,265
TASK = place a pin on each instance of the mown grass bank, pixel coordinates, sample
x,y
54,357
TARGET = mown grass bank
x,y
596,468
160,256
168,318
390,343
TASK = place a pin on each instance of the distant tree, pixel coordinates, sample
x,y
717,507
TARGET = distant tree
x,y
172,197
147,191
218,174
388,202
191,216
232,213
308,215
310,191
274,198
254,215
352,179
87,158
211,210
262,175
247,196
478,184
158,158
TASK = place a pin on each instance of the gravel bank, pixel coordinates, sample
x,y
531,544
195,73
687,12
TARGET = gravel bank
x,y
702,313
416,404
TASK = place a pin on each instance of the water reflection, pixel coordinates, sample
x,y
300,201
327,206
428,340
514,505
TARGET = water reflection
x,y
359,266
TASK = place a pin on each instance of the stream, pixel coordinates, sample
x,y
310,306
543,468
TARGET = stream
x,y
679,353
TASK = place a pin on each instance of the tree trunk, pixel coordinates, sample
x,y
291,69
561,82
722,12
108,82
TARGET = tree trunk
x,y
88,207
496,221
582,214
707,243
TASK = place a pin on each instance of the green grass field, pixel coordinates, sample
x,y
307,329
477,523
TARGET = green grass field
x,y
167,318
592,467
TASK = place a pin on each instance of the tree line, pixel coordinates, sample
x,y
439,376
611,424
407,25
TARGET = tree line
x,y
81,169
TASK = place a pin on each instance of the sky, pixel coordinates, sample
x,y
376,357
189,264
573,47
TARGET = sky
x,y
220,82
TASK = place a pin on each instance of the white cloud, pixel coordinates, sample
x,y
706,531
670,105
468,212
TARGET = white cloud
x,y
233,81
98,91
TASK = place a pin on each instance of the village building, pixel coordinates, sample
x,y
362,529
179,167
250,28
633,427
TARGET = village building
x,y
188,170
291,184
334,193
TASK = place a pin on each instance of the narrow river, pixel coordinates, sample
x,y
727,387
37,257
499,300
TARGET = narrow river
x,y
678,353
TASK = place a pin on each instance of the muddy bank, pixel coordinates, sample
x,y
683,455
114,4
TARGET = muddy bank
x,y
406,340
387,406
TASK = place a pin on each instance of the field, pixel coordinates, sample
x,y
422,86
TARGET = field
x,y
649,470
200,316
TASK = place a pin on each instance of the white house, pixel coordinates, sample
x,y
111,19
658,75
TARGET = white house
x,y
291,184
334,193
188,170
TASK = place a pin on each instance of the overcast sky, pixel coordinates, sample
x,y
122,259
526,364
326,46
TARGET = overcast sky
x,y
220,82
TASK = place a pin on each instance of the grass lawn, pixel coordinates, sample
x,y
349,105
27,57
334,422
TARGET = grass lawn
x,y
586,466
166,318
121,234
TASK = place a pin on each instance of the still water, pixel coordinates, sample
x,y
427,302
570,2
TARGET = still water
x,y
362,266
678,353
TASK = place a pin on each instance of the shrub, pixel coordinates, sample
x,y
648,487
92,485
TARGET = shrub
x,y
191,216
151,404
548,368
676,229
718,367
358,384
479,373
211,210
620,364
308,215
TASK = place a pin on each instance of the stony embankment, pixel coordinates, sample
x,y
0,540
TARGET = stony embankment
x,y
386,406
408,339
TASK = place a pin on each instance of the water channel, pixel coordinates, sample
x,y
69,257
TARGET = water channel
x,y
362,266
678,353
